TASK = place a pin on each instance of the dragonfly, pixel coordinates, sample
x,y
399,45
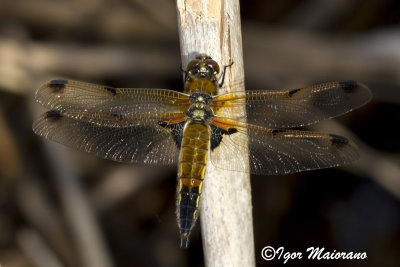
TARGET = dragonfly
x,y
199,126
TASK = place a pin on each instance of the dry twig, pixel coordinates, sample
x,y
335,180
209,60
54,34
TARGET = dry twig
x,y
213,28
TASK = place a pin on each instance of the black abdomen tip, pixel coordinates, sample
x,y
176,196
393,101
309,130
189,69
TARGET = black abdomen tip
x,y
184,242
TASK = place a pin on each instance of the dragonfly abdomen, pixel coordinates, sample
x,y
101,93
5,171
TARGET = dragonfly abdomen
x,y
191,170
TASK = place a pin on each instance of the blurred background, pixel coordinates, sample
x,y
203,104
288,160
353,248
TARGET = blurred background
x,y
59,207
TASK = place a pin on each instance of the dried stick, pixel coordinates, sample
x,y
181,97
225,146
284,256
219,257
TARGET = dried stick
x,y
85,230
212,27
42,216
36,249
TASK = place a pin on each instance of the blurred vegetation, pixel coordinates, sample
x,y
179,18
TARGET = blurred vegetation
x,y
63,208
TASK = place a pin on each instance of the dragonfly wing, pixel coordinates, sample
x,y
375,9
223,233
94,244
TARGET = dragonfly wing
x,y
143,144
273,152
293,108
108,106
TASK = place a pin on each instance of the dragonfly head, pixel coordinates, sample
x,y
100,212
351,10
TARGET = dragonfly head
x,y
203,67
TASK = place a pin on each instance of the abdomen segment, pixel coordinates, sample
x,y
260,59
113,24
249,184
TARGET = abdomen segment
x,y
191,170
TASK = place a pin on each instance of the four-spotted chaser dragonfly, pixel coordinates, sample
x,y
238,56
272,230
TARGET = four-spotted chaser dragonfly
x,y
164,127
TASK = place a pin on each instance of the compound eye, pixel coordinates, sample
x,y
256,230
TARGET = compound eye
x,y
192,64
212,64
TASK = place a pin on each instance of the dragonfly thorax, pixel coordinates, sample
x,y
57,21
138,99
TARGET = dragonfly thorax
x,y
202,113
200,98
200,109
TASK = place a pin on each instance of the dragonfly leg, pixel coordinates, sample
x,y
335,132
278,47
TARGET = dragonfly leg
x,y
223,74
184,71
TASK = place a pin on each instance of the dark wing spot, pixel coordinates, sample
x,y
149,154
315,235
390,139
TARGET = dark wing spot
x,y
218,133
53,115
292,92
276,131
176,131
348,85
163,124
57,85
232,131
58,81
118,116
112,90
216,136
338,141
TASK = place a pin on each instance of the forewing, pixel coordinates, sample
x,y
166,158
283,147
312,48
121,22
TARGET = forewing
x,y
273,152
292,108
108,106
143,144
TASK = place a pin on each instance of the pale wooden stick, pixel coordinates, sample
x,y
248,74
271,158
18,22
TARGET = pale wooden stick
x,y
212,27
36,249
81,218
